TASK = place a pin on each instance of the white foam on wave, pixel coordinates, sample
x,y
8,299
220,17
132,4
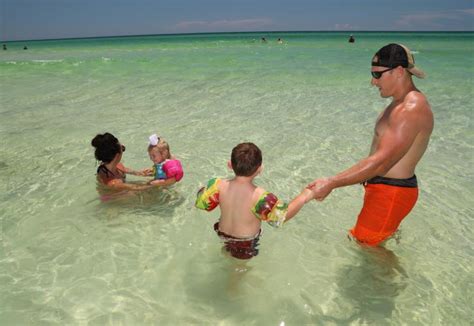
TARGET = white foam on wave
x,y
46,61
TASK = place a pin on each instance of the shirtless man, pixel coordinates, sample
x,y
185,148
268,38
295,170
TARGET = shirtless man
x,y
402,133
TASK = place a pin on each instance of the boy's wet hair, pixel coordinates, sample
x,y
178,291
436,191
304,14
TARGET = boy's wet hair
x,y
163,148
246,158
106,147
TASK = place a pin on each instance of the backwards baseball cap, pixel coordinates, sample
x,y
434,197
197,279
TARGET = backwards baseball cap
x,y
394,55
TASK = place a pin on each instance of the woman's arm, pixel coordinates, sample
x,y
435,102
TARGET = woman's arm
x,y
163,182
120,185
142,173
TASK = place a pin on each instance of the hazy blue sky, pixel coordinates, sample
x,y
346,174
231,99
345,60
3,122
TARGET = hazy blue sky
x,y
40,19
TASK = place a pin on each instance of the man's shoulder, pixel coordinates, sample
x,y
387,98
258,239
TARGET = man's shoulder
x,y
415,100
413,104
414,109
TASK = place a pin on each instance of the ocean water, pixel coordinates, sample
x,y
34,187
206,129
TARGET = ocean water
x,y
151,258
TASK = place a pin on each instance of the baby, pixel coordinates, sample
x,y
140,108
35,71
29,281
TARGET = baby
x,y
166,169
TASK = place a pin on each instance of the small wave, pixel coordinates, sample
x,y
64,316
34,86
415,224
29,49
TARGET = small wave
x,y
11,62
46,61
106,59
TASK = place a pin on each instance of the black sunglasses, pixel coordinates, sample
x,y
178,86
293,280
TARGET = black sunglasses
x,y
378,74
123,148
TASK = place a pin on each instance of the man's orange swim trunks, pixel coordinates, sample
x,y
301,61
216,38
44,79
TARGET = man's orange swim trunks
x,y
386,203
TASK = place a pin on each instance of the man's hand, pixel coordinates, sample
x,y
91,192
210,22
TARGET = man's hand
x,y
320,188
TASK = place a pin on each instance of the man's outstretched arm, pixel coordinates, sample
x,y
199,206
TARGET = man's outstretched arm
x,y
392,146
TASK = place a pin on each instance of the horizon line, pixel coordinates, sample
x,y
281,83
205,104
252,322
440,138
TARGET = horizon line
x,y
235,32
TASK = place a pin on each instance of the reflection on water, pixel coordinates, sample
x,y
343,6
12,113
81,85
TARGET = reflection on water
x,y
224,289
168,197
372,284
159,202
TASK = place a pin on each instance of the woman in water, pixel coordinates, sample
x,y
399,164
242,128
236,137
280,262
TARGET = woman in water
x,y
111,173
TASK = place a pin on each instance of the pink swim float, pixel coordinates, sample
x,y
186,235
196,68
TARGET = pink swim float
x,y
173,169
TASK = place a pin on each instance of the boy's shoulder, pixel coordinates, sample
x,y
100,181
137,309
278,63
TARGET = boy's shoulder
x,y
208,196
213,181
257,194
269,208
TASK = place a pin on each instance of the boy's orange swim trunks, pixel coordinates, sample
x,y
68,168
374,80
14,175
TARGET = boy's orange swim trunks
x,y
387,202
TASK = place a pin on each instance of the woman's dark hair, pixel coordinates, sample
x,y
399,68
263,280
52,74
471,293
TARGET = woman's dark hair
x,y
106,147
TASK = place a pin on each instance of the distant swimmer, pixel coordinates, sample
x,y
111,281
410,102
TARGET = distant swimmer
x,y
264,40
4,46
280,41
25,48
351,39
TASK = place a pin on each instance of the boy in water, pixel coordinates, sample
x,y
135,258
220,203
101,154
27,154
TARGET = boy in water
x,y
243,205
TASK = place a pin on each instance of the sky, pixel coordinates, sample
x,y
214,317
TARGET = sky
x,y
50,19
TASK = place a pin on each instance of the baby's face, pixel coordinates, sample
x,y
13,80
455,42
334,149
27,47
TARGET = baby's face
x,y
156,156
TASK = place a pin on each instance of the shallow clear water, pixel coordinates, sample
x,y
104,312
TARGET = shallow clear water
x,y
67,258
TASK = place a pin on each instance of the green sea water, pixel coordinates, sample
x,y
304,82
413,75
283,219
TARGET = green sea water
x,y
68,258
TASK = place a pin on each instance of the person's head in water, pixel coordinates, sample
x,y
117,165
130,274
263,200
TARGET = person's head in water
x,y
393,56
246,159
158,149
4,46
107,147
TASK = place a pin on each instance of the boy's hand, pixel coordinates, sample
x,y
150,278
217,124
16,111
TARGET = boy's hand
x,y
320,188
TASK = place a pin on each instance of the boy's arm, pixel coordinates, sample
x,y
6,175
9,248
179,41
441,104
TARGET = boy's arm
x,y
297,203
276,212
207,197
